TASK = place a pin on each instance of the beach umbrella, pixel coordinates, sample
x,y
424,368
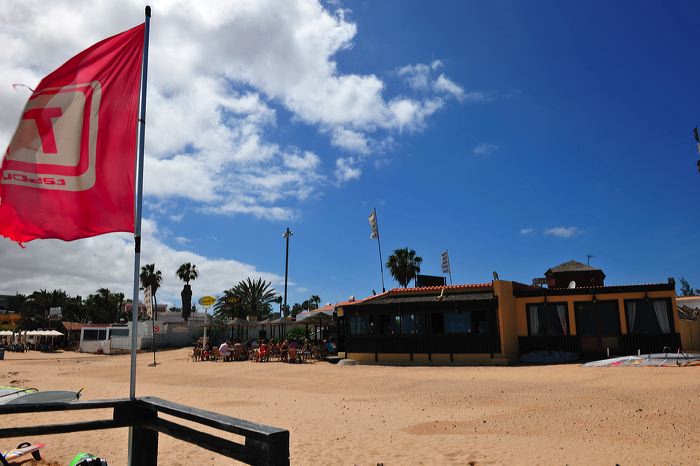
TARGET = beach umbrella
x,y
53,334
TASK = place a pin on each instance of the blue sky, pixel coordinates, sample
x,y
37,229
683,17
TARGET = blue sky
x,y
591,115
571,135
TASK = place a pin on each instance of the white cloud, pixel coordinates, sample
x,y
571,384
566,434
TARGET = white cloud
x,y
346,169
352,141
420,77
476,96
417,76
563,232
182,240
83,266
411,115
243,206
446,85
527,231
217,71
308,161
485,149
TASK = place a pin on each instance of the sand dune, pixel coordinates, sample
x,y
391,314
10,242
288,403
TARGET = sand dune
x,y
394,415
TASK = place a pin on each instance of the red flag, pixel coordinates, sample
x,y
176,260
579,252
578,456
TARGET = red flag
x,y
68,172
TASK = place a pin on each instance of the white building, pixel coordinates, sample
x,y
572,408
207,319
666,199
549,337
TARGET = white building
x,y
111,339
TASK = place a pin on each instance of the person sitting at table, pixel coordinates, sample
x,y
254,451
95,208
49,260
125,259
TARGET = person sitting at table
x,y
238,353
225,350
292,354
283,350
330,347
206,351
263,352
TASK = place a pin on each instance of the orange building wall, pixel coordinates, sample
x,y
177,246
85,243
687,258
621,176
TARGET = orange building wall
x,y
521,306
512,314
9,321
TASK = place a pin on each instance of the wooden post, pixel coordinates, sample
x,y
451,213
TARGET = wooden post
x,y
145,452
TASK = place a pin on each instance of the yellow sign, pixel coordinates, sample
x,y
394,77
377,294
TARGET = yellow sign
x,y
207,301
232,299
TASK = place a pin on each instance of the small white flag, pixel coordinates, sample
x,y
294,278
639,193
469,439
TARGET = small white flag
x,y
445,262
373,224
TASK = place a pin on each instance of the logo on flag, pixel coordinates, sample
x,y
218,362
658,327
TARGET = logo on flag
x,y
48,150
373,225
68,172
445,262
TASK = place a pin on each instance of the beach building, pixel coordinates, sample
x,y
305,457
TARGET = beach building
x,y
689,318
116,338
8,317
9,320
496,322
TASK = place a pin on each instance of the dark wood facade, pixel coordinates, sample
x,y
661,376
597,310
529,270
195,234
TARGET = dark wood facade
x,y
422,324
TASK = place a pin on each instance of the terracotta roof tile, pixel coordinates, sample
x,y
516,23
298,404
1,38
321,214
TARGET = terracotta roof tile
x,y
609,286
439,288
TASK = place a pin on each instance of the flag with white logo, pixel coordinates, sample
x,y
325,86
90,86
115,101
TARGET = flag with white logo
x,y
445,262
373,225
68,172
148,302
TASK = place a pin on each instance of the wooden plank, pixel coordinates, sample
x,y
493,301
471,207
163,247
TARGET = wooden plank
x,y
210,442
226,423
59,428
73,406
145,446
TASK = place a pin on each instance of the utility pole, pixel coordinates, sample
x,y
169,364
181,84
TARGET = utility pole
x,y
286,236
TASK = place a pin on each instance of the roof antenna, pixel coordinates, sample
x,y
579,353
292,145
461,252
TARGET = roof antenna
x,y
588,258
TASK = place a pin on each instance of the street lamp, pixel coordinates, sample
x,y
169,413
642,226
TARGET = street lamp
x,y
286,236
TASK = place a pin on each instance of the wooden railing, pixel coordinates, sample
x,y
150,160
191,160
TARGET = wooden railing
x,y
549,343
264,445
422,344
649,344
629,344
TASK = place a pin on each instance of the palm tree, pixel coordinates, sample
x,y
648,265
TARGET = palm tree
x,y
404,265
314,302
256,296
105,306
151,277
278,300
229,305
249,297
187,272
35,309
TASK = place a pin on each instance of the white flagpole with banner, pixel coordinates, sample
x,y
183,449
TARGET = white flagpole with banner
x,y
137,224
445,263
375,235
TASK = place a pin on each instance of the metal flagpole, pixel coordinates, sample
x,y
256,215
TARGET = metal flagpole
x,y
286,236
379,244
137,223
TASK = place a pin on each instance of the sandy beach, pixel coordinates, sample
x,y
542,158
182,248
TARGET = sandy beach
x,y
366,415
